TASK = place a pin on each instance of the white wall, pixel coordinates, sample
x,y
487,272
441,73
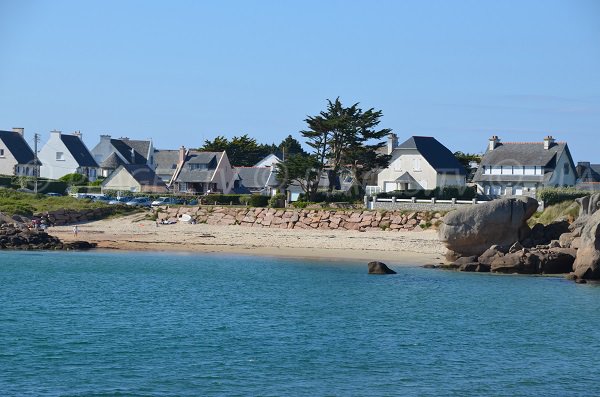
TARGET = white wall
x,y
223,175
7,162
559,177
121,180
51,167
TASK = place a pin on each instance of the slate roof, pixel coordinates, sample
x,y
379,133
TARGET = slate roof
x,y
522,154
112,162
143,175
140,149
406,178
17,146
166,161
589,172
436,154
80,153
254,177
208,158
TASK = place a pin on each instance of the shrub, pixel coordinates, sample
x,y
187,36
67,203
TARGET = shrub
x,y
222,199
277,201
17,209
86,189
301,204
552,196
325,197
74,179
244,199
257,200
443,193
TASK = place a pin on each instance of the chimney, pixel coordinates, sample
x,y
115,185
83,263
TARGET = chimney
x,y
181,154
104,138
77,134
548,142
20,130
494,142
55,133
392,142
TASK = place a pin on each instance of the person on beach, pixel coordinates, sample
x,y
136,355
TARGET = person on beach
x,y
75,230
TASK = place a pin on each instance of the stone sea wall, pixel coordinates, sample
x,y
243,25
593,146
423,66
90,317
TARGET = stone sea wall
x,y
360,220
68,216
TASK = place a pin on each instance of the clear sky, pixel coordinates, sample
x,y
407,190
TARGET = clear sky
x,y
180,72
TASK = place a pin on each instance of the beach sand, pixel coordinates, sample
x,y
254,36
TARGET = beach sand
x,y
137,234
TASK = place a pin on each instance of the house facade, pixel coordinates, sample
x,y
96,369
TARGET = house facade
x,y
16,157
134,178
588,176
268,161
255,180
67,154
111,153
522,168
419,163
196,172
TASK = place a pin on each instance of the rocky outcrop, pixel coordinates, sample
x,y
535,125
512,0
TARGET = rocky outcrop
x,y
379,268
472,230
352,220
17,236
587,264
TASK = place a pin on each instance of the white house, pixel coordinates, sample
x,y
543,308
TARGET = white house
x,y
521,168
420,163
16,157
269,161
134,178
66,154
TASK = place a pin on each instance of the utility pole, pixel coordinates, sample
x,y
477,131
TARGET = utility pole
x,y
36,168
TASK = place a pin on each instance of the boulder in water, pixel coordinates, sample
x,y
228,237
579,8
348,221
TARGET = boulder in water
x,y
587,263
379,268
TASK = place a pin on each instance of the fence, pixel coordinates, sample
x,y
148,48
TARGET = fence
x,y
414,204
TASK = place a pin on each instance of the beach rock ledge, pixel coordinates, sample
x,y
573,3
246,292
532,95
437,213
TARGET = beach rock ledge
x,y
379,268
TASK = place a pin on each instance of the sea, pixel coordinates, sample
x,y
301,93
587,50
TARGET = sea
x,y
169,324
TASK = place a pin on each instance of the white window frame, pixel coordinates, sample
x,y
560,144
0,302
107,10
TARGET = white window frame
x,y
60,156
416,164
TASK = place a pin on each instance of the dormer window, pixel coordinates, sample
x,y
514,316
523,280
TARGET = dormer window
x,y
60,156
198,166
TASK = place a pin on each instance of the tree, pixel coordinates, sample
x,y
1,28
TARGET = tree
x,y
74,179
340,135
242,151
290,146
466,159
302,169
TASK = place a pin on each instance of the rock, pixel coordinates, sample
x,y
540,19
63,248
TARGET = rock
x,y
566,239
495,251
588,206
587,263
556,260
472,230
468,267
465,260
522,263
580,281
379,268
516,247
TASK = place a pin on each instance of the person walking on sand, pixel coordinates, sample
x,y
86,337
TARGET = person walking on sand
x,y
75,230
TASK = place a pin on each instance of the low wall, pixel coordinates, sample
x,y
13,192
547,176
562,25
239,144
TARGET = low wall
x,y
360,220
67,216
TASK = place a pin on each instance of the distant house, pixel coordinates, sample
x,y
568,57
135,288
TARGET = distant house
x,y
67,154
111,153
193,171
420,163
268,161
255,180
522,168
16,157
134,178
588,176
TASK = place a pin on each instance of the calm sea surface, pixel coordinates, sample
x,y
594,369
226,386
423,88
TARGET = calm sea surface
x,y
138,324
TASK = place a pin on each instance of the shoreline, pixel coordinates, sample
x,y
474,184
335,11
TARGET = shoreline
x,y
131,233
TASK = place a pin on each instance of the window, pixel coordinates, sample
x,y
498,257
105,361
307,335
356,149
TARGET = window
x,y
1,152
198,166
417,164
566,167
60,156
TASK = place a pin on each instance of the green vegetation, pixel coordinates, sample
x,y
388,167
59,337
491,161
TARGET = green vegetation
x,y
28,182
444,193
552,196
18,203
74,179
277,201
564,210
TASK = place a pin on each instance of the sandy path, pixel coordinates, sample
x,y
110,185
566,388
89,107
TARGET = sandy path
x,y
134,233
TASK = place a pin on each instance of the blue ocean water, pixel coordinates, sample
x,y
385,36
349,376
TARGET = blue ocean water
x,y
140,324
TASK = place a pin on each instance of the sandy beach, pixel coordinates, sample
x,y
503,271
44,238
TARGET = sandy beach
x,y
135,233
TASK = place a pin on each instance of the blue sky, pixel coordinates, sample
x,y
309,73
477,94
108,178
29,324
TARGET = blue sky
x,y
181,72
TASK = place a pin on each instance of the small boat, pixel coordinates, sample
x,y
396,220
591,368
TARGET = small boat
x,y
185,218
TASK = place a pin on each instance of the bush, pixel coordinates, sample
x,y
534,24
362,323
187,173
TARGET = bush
x,y
443,193
222,199
325,197
86,189
17,209
257,200
245,199
6,180
553,195
277,201
74,179
301,204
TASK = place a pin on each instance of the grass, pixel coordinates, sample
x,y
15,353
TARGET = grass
x,y
566,209
26,204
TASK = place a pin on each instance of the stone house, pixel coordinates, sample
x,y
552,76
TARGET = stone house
x,y
67,154
16,157
134,178
522,168
419,163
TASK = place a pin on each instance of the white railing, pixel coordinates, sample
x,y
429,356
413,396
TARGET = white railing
x,y
370,201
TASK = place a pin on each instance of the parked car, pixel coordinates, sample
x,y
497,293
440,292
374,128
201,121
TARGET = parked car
x,y
165,201
52,194
139,202
102,199
120,200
